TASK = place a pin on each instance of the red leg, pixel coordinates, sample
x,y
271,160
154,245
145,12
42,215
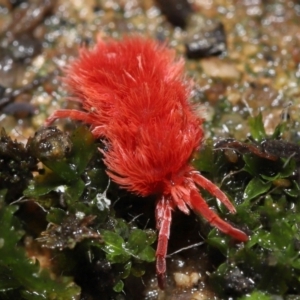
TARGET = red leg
x,y
200,206
214,190
163,215
70,113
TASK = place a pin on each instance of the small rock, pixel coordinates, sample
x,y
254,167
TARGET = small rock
x,y
186,281
218,68
205,38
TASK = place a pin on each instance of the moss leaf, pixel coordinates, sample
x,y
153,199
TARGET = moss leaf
x,y
114,247
255,188
19,273
118,287
257,128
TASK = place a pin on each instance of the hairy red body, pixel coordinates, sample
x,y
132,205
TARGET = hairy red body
x,y
135,96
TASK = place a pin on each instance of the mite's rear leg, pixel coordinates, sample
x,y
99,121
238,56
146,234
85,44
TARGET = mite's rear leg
x,y
200,206
163,215
213,189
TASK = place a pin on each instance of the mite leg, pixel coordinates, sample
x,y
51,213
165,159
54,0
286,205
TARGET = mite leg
x,y
163,215
200,206
214,190
72,114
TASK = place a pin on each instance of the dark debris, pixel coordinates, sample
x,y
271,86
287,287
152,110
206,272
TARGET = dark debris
x,y
26,17
268,148
176,11
70,232
237,283
205,39
50,143
20,110
16,165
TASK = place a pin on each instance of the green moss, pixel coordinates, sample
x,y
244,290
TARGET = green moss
x,y
263,183
96,251
21,277
81,230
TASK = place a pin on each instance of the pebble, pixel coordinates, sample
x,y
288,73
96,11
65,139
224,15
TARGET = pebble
x,y
217,68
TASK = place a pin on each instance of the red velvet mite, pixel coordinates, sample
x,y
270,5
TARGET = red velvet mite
x,y
135,96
